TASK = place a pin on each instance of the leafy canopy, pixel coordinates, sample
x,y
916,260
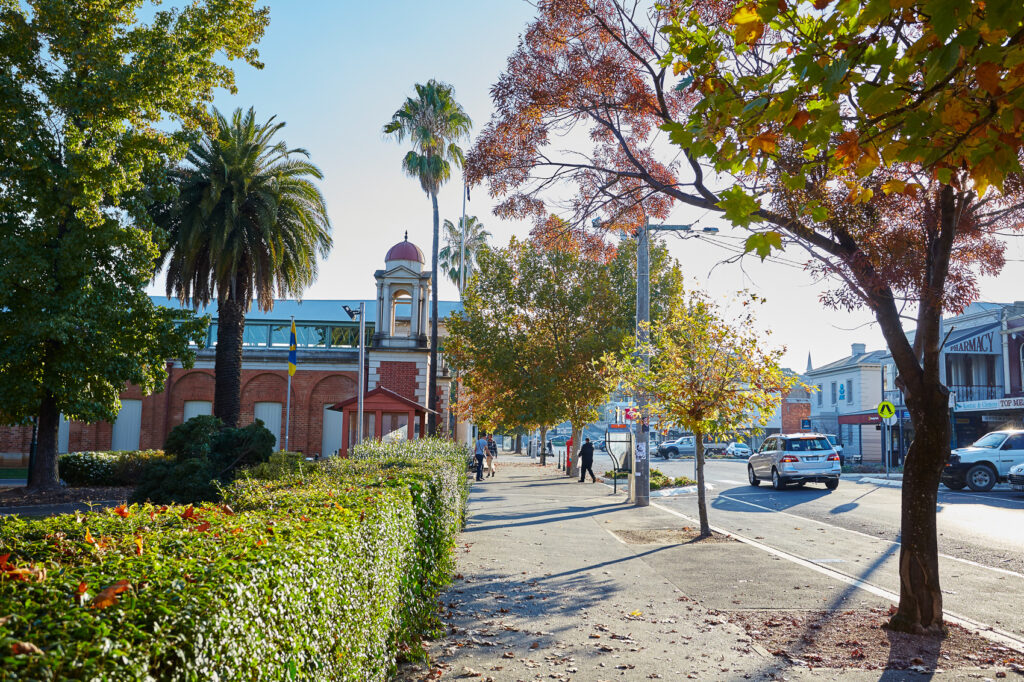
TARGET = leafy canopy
x,y
95,103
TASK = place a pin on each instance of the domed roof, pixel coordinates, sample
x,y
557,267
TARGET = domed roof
x,y
405,250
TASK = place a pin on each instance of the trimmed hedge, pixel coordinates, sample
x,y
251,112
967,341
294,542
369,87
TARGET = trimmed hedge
x,y
109,468
324,574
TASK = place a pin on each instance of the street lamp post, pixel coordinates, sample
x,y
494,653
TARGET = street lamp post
x,y
641,463
361,389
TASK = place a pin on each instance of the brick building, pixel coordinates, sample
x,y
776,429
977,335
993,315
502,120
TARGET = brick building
x,y
397,358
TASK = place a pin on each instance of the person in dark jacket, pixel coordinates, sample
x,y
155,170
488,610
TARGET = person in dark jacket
x,y
587,461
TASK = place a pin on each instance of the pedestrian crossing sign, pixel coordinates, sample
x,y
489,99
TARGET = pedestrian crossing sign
x,y
886,409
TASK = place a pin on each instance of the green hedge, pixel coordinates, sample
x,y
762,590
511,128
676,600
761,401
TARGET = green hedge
x,y
323,574
116,467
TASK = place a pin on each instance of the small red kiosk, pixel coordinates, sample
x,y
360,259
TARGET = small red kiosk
x,y
386,414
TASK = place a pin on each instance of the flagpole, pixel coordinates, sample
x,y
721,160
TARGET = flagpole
x,y
360,392
288,399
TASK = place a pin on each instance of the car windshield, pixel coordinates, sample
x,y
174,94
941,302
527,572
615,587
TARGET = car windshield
x,y
807,444
990,440
832,439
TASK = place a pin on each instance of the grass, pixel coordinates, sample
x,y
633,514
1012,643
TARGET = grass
x,y
14,474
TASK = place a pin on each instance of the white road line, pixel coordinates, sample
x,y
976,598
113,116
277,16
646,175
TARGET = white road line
x,y
873,537
1005,638
726,480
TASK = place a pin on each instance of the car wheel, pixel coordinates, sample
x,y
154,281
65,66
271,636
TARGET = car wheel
x,y
671,452
956,485
777,481
754,480
981,478
832,483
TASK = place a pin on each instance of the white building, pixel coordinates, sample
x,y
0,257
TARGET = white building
x,y
844,401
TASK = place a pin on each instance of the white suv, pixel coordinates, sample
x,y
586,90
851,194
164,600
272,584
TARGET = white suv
x,y
988,461
795,458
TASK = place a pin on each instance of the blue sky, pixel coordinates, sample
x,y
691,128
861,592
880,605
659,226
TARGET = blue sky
x,y
336,71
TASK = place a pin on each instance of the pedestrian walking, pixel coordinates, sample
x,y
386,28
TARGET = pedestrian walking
x,y
587,461
492,456
481,450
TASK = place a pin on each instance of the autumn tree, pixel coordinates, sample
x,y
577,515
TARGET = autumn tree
x,y
704,372
882,138
96,104
538,316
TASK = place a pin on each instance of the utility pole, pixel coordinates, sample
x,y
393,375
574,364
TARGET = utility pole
x,y
361,391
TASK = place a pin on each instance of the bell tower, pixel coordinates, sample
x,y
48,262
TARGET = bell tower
x,y
403,289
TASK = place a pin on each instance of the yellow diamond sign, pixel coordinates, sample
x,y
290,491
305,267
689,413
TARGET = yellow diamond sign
x,y
886,409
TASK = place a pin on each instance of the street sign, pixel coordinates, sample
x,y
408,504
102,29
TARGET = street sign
x,y
886,410
805,424
632,413
889,421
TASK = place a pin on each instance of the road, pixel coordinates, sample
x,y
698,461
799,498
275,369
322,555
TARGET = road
x,y
854,530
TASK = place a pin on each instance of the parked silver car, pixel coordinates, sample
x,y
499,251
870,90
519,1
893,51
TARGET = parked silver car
x,y
795,458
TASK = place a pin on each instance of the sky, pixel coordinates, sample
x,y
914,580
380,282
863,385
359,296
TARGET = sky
x,y
336,70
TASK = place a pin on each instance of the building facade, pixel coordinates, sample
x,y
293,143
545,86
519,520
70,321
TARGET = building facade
x,y
844,400
981,363
327,340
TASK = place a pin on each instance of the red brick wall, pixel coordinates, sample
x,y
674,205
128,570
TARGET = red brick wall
x,y
399,377
793,412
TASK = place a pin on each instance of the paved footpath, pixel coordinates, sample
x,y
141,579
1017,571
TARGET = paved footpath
x,y
563,581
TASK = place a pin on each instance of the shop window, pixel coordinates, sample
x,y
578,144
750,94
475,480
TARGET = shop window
x,y
835,393
395,425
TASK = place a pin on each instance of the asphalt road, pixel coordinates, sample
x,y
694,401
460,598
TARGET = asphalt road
x,y
855,530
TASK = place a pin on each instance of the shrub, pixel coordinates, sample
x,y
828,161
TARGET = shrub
x,y
323,576
192,439
282,463
110,468
658,479
201,467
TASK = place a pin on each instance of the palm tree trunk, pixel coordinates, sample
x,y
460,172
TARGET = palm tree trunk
x,y
43,474
227,391
432,398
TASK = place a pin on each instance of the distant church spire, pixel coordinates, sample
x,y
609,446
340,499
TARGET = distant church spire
x,y
809,365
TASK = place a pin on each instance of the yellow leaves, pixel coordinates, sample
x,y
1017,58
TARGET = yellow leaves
x,y
88,537
138,546
800,119
858,193
749,27
679,67
765,142
900,187
987,75
992,36
956,115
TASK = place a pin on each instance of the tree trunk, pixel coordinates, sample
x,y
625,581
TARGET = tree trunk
x,y
519,443
432,401
920,608
43,474
227,390
543,445
574,462
702,500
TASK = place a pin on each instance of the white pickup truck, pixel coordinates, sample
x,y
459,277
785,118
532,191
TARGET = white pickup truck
x,y
986,462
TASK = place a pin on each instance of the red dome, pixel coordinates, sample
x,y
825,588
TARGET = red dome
x,y
404,250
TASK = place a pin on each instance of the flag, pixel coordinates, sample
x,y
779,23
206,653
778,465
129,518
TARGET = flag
x,y
291,352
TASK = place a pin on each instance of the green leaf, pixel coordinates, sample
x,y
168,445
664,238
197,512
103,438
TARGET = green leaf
x,y
762,243
738,206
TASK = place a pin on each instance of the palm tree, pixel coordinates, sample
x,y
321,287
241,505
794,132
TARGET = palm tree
x,y
433,121
248,222
451,254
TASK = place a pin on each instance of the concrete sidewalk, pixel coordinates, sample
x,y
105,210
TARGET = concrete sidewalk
x,y
562,580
